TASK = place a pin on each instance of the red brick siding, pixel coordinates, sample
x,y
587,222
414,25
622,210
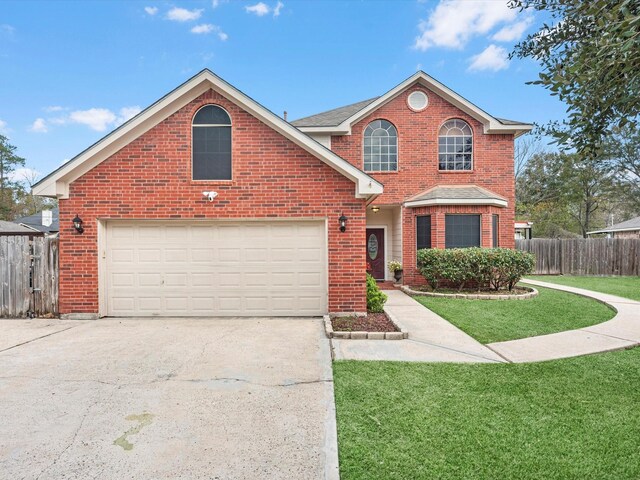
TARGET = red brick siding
x,y
418,161
151,179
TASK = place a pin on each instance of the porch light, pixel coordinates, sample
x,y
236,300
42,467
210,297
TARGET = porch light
x,y
343,222
77,224
375,209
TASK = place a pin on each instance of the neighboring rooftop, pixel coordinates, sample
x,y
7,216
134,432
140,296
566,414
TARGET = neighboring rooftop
x,y
629,225
11,228
45,221
334,117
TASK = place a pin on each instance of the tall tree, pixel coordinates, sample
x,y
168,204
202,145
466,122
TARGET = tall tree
x,y
562,193
622,149
9,188
590,58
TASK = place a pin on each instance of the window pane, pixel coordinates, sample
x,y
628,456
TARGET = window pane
x,y
211,153
495,224
462,231
423,232
211,115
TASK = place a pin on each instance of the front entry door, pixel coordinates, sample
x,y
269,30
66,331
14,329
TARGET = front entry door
x,y
375,253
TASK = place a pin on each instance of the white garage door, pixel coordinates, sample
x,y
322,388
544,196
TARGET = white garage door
x,y
215,269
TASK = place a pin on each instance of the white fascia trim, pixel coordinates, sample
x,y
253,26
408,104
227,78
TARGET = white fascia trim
x,y
57,184
491,124
614,230
496,202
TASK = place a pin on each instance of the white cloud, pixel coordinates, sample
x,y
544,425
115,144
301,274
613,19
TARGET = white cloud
x,y
207,28
277,8
95,118
260,9
128,112
53,108
492,58
204,28
510,33
454,22
24,174
39,126
151,10
7,29
3,126
183,15
58,120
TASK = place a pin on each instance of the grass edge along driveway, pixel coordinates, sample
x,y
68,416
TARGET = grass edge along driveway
x,y
500,320
571,418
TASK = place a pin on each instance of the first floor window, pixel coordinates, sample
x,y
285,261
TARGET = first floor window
x,y
423,232
495,227
462,231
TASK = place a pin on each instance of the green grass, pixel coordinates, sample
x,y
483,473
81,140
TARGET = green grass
x,y
566,419
628,287
499,320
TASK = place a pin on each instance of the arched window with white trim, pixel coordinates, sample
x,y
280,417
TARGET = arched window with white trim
x,y
211,144
380,147
455,146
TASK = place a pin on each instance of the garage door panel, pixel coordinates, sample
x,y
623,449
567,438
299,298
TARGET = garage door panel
x,y
216,268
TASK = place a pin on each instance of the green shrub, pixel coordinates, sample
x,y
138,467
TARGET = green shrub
x,y
375,297
495,268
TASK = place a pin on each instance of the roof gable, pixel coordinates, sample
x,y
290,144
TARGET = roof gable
x,y
57,183
349,115
628,225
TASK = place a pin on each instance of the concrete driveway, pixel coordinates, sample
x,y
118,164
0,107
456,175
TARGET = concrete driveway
x,y
166,398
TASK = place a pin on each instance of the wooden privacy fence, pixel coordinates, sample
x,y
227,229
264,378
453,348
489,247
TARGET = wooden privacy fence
x,y
584,256
28,276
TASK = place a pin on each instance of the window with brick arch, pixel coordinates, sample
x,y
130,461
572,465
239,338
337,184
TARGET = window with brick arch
x,y
455,146
211,144
380,147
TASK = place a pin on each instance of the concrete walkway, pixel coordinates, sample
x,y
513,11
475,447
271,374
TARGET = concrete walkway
x,y
622,331
431,338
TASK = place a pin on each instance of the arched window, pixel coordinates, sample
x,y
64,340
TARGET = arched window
x,y
211,147
455,146
380,147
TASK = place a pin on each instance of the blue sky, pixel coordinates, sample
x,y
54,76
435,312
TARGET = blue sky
x,y
73,71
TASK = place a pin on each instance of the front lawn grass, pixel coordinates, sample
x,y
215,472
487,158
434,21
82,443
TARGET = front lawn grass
x,y
628,287
567,419
499,320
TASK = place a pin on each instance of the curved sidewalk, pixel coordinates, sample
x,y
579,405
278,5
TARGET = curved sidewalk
x,y
622,331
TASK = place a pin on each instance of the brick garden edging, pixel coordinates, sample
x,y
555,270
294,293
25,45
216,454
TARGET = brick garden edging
x,y
473,296
400,335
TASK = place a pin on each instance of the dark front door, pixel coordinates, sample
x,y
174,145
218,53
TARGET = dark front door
x,y
375,252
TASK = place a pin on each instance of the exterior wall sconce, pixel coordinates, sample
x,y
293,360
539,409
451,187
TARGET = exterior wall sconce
x,y
343,222
375,209
77,224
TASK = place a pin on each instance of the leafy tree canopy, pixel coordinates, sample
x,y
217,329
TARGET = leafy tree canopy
x,y
590,59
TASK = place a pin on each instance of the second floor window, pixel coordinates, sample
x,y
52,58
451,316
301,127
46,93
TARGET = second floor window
x,y
380,147
211,137
455,146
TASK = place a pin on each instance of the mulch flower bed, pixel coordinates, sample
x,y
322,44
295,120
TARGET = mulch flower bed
x,y
471,291
373,322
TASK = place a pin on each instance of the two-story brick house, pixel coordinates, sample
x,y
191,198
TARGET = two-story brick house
x,y
208,204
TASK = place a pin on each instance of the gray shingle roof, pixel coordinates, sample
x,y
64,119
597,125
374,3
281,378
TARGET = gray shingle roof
x,y
633,224
10,227
465,192
35,221
334,117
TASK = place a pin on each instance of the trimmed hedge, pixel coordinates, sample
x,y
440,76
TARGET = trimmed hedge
x,y
488,268
375,297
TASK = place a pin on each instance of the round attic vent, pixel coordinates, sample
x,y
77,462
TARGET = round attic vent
x,y
418,100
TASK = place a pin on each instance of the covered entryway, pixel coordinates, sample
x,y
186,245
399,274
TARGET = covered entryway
x,y
222,268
